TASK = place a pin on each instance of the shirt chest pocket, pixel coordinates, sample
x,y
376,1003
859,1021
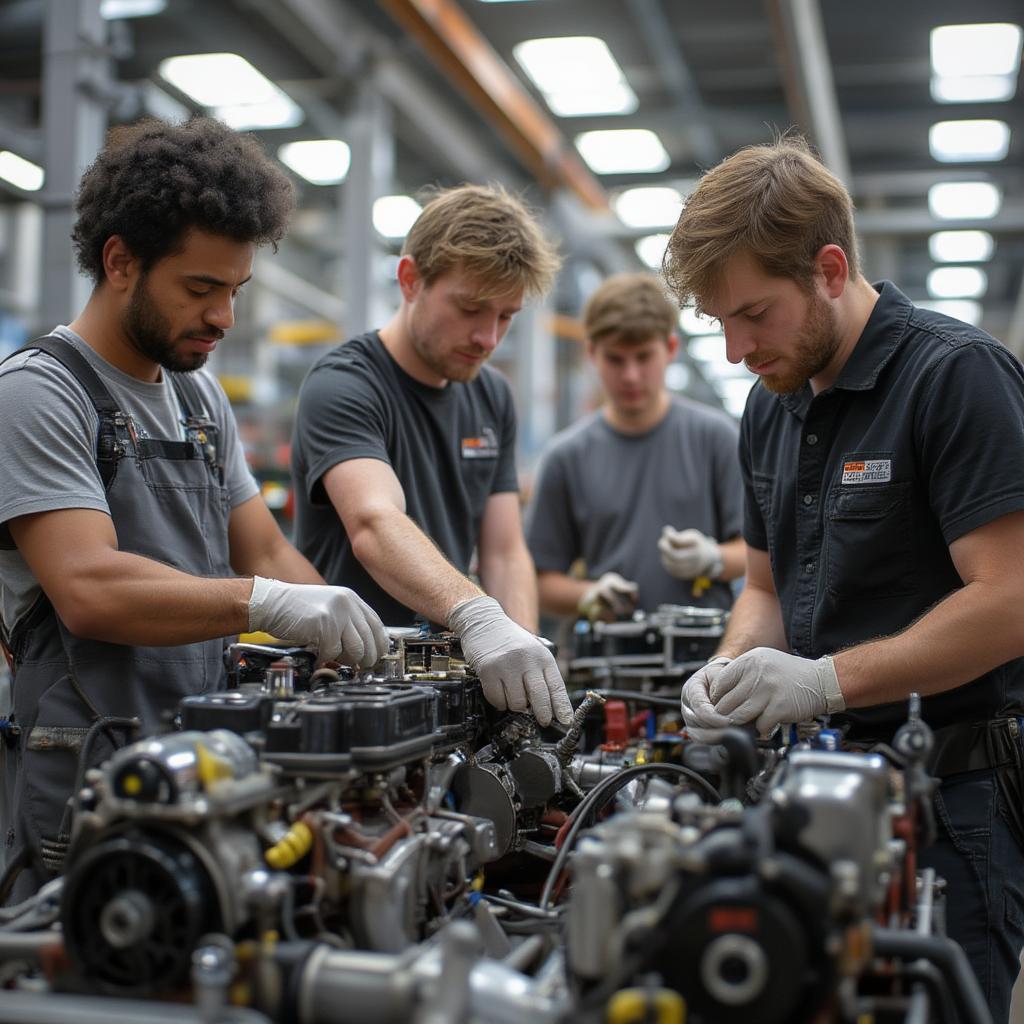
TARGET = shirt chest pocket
x,y
869,541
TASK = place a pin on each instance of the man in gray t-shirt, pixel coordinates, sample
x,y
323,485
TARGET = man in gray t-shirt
x,y
133,540
646,491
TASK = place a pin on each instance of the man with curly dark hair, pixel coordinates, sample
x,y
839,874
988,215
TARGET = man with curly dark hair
x,y
133,538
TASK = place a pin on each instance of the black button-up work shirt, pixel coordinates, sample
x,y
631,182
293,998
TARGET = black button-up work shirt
x,y
857,492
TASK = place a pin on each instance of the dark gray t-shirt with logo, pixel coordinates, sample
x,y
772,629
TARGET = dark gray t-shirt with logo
x,y
451,449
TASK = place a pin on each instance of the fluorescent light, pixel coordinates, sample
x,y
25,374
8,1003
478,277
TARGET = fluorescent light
x,y
957,283
973,88
114,10
577,75
651,250
612,99
693,322
962,50
677,376
734,392
708,348
960,200
393,216
951,141
961,246
622,151
280,112
966,310
20,172
320,161
237,93
654,207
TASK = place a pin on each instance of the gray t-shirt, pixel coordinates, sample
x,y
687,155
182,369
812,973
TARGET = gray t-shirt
x,y
603,496
49,427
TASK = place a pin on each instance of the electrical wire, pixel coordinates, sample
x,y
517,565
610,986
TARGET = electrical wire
x,y
596,799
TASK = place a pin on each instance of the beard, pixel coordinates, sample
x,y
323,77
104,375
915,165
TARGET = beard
x,y
450,367
149,332
814,348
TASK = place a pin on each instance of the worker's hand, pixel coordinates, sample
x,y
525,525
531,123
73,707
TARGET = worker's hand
x,y
767,687
515,668
610,597
334,620
687,554
699,712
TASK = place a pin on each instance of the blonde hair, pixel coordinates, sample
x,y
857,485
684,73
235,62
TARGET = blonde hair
x,y
487,232
777,202
630,309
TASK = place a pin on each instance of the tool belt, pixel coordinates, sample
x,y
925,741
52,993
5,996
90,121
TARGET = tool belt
x,y
995,745
974,746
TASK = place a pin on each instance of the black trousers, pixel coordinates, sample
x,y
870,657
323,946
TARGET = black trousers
x,y
983,865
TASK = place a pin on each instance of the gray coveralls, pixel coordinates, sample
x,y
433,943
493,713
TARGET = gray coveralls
x,y
76,700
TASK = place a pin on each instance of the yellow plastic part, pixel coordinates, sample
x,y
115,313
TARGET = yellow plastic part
x,y
634,1006
700,584
293,847
131,784
257,638
210,767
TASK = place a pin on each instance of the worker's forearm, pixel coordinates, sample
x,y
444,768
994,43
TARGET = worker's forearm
x,y
560,593
734,558
973,630
129,599
755,621
284,562
406,563
509,577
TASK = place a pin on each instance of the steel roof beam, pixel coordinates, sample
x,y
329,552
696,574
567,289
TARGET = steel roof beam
x,y
807,77
473,66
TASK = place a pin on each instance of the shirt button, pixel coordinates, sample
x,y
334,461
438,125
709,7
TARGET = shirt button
x,y
809,568
812,438
808,499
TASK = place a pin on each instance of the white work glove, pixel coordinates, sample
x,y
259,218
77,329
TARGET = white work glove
x,y
334,620
515,668
766,686
699,712
687,554
611,593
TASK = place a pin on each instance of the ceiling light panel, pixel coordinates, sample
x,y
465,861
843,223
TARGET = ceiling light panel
x,y
957,141
693,322
651,250
961,246
233,89
966,310
393,216
973,88
319,161
654,207
113,10
986,49
957,283
20,172
577,75
623,151
963,200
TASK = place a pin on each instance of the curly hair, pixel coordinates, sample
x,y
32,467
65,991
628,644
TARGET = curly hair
x,y
153,182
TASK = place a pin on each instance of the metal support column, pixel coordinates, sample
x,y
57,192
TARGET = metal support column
x,y
76,84
370,175
536,380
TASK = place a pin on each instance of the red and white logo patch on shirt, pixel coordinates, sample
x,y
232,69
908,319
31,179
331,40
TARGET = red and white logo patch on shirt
x,y
867,471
